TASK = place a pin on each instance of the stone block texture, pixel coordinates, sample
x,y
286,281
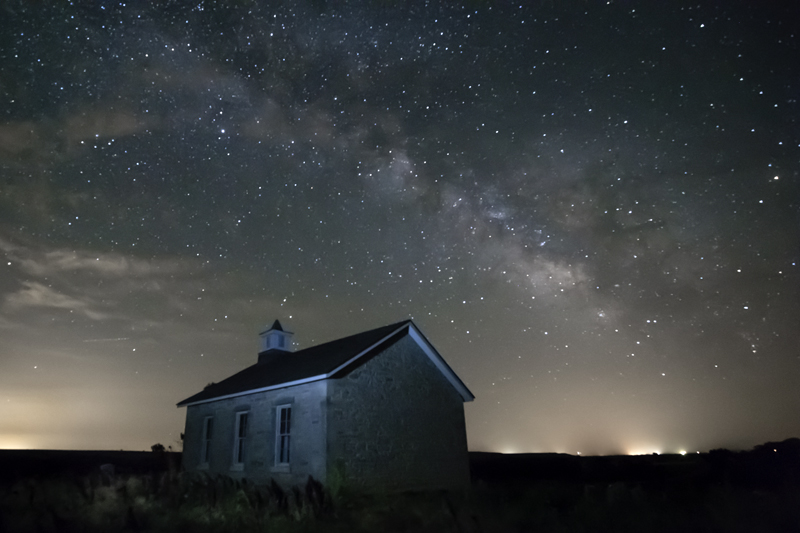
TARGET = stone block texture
x,y
308,446
395,423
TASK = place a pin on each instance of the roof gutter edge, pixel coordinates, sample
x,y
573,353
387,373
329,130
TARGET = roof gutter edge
x,y
254,391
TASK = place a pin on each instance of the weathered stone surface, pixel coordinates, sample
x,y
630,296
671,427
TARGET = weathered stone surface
x,y
307,441
396,423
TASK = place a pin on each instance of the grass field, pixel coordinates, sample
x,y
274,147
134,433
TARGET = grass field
x,y
726,493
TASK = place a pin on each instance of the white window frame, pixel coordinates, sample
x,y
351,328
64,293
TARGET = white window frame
x,y
240,440
283,436
205,446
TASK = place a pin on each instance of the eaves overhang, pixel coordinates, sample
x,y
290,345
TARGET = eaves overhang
x,y
254,391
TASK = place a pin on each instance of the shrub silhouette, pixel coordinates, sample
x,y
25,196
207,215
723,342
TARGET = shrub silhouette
x,y
168,500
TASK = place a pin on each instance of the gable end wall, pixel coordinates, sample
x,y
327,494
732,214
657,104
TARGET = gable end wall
x,y
396,423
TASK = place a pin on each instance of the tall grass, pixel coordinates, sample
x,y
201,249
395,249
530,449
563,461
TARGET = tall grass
x,y
158,502
172,501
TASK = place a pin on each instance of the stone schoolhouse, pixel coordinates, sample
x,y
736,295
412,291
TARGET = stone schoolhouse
x,y
382,406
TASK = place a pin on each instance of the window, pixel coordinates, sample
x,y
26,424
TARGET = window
x,y
283,434
208,431
239,440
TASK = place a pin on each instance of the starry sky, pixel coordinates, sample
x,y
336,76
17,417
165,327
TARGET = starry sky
x,y
590,209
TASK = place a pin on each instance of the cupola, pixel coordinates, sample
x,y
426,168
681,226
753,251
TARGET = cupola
x,y
275,338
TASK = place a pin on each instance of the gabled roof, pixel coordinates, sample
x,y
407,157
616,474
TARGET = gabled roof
x,y
278,369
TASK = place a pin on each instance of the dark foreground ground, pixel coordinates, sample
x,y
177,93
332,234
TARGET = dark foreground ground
x,y
48,491
42,464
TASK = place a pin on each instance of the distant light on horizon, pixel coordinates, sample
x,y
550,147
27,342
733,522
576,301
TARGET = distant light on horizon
x,y
643,451
599,451
10,442
640,450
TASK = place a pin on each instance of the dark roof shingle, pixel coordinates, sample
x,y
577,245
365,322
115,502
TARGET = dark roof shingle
x,y
279,367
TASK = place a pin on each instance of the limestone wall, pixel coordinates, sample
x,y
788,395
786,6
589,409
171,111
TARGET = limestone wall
x,y
395,423
308,450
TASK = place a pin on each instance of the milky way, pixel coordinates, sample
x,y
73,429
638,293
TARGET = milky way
x,y
590,209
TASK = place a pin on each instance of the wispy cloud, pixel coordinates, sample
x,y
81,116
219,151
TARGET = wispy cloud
x,y
35,294
49,141
91,284
106,264
46,263
102,123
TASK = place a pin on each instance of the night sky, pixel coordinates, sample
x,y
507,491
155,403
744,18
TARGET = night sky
x,y
591,209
